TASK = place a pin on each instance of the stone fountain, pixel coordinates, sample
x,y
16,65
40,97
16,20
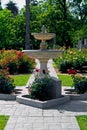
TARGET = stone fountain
x,y
43,55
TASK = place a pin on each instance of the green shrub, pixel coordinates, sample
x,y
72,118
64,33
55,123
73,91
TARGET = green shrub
x,y
40,88
6,82
65,65
80,84
80,62
25,64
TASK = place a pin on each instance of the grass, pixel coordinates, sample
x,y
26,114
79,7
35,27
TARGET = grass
x,y
66,79
3,121
82,121
21,80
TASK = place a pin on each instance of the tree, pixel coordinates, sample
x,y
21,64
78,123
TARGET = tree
x,y
56,16
27,44
12,7
79,9
12,31
34,2
0,5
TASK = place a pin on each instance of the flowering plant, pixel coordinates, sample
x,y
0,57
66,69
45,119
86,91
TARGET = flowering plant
x,y
72,71
40,88
72,58
80,83
16,61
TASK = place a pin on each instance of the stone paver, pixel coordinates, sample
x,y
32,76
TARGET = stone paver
x,y
61,117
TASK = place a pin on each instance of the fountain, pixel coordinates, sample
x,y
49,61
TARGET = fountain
x,y
43,55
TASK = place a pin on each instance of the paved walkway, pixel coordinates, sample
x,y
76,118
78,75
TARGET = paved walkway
x,y
23,117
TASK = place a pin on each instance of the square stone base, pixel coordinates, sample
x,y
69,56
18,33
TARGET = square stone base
x,y
55,89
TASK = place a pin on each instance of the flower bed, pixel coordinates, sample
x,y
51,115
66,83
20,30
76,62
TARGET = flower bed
x,y
16,61
72,58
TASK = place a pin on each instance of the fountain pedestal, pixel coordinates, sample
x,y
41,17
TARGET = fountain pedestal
x,y
43,67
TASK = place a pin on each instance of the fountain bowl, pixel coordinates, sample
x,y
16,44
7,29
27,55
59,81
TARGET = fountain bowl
x,y
44,54
43,36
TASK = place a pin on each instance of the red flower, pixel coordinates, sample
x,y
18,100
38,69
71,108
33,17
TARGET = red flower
x,y
0,51
37,70
19,53
44,72
72,71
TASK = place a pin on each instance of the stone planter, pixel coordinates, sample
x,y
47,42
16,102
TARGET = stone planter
x,y
42,104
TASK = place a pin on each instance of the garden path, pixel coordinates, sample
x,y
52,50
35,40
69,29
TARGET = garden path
x,y
60,117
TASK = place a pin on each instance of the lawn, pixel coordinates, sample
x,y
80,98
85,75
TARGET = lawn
x,y
3,121
20,80
82,121
66,79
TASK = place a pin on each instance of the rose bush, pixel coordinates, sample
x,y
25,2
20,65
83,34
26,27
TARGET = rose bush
x,y
40,88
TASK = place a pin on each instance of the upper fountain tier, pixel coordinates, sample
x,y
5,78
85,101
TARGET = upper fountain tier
x,y
43,53
43,36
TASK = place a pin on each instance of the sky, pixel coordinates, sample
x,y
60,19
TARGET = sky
x,y
19,3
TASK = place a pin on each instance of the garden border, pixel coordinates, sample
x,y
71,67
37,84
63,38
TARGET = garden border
x,y
78,96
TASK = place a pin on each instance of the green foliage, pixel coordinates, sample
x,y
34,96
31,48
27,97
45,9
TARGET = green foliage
x,y
72,58
3,121
80,84
6,82
40,89
16,61
12,31
67,19
82,121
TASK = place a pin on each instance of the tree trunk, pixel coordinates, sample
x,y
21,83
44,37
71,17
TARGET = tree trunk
x,y
27,38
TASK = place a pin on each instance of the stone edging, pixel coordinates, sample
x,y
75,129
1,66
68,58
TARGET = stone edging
x,y
78,96
7,97
42,104
72,96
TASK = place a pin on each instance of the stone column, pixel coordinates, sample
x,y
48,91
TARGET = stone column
x,y
43,67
